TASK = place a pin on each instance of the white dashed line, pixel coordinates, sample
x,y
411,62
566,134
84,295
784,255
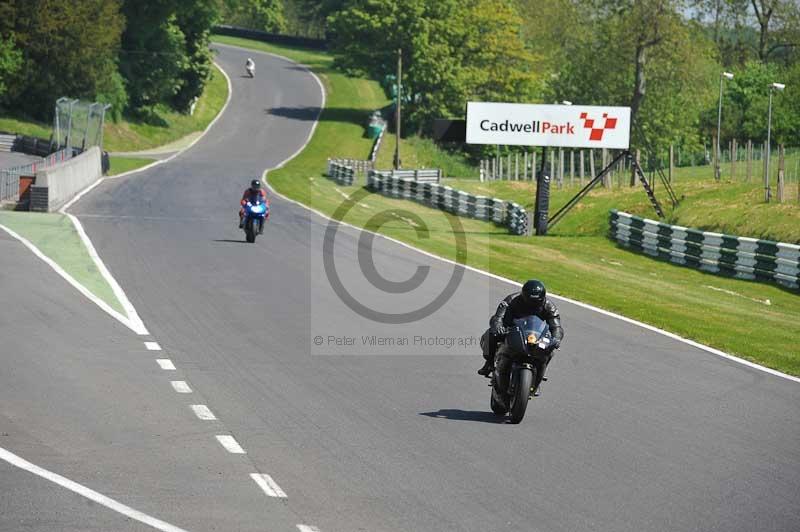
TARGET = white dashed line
x,y
166,364
181,386
306,528
269,486
152,346
230,444
202,412
90,494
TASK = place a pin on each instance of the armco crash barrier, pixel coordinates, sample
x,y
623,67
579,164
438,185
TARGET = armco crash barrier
x,y
57,184
742,257
506,213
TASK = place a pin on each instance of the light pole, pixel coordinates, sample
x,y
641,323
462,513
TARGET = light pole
x,y
397,161
724,75
772,88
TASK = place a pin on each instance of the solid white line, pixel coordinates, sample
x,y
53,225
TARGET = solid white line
x,y
269,486
133,316
152,346
71,280
133,320
166,364
181,386
230,444
90,494
307,528
203,412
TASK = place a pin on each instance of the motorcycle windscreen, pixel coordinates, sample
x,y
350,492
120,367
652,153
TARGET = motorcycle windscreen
x,y
531,325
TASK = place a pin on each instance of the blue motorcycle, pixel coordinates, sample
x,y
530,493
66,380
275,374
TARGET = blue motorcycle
x,y
255,214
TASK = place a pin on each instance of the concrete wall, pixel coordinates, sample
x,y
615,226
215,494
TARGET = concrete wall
x,y
58,184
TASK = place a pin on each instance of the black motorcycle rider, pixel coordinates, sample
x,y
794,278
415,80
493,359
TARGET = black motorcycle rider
x,y
530,301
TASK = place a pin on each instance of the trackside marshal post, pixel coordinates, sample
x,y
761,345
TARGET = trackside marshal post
x,y
566,126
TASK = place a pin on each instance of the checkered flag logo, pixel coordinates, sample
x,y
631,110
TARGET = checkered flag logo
x,y
597,132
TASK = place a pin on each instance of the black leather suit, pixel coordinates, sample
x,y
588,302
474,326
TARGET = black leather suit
x,y
513,307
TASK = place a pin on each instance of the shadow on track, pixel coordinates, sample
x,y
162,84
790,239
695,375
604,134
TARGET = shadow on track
x,y
228,240
465,415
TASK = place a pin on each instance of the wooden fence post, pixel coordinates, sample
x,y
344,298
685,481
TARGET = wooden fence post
x,y
607,177
533,166
552,164
592,175
734,156
715,157
560,167
582,169
571,167
749,164
525,166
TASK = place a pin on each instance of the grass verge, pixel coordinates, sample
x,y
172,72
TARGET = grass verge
x,y
120,165
135,134
752,320
56,237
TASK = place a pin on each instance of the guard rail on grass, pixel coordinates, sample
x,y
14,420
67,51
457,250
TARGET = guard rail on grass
x,y
741,257
341,173
460,203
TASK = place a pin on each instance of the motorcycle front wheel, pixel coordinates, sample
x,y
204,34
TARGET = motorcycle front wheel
x,y
250,231
523,380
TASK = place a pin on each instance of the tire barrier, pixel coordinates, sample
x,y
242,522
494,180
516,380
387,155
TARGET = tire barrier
x,y
502,212
341,173
736,256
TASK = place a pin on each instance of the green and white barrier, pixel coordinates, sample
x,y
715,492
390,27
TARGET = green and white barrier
x,y
340,173
741,257
506,213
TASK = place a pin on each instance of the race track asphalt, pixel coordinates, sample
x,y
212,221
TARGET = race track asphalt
x,y
634,432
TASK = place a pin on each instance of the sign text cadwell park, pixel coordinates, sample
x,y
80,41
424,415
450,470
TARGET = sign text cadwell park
x,y
568,126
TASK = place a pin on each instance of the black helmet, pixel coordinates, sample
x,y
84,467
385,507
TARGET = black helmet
x,y
255,184
534,293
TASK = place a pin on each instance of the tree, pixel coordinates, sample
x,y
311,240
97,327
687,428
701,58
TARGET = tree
x,y
195,19
69,49
779,25
644,55
153,54
10,63
263,15
451,51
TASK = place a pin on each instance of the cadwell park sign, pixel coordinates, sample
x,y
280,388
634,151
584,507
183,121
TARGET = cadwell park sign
x,y
568,126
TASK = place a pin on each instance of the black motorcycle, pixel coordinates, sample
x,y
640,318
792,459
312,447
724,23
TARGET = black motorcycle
x,y
519,366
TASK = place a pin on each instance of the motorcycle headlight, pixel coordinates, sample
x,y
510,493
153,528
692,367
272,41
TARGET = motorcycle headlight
x,y
531,338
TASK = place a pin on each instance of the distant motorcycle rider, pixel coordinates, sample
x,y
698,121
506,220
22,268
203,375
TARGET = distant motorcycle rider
x,y
250,66
252,195
530,301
